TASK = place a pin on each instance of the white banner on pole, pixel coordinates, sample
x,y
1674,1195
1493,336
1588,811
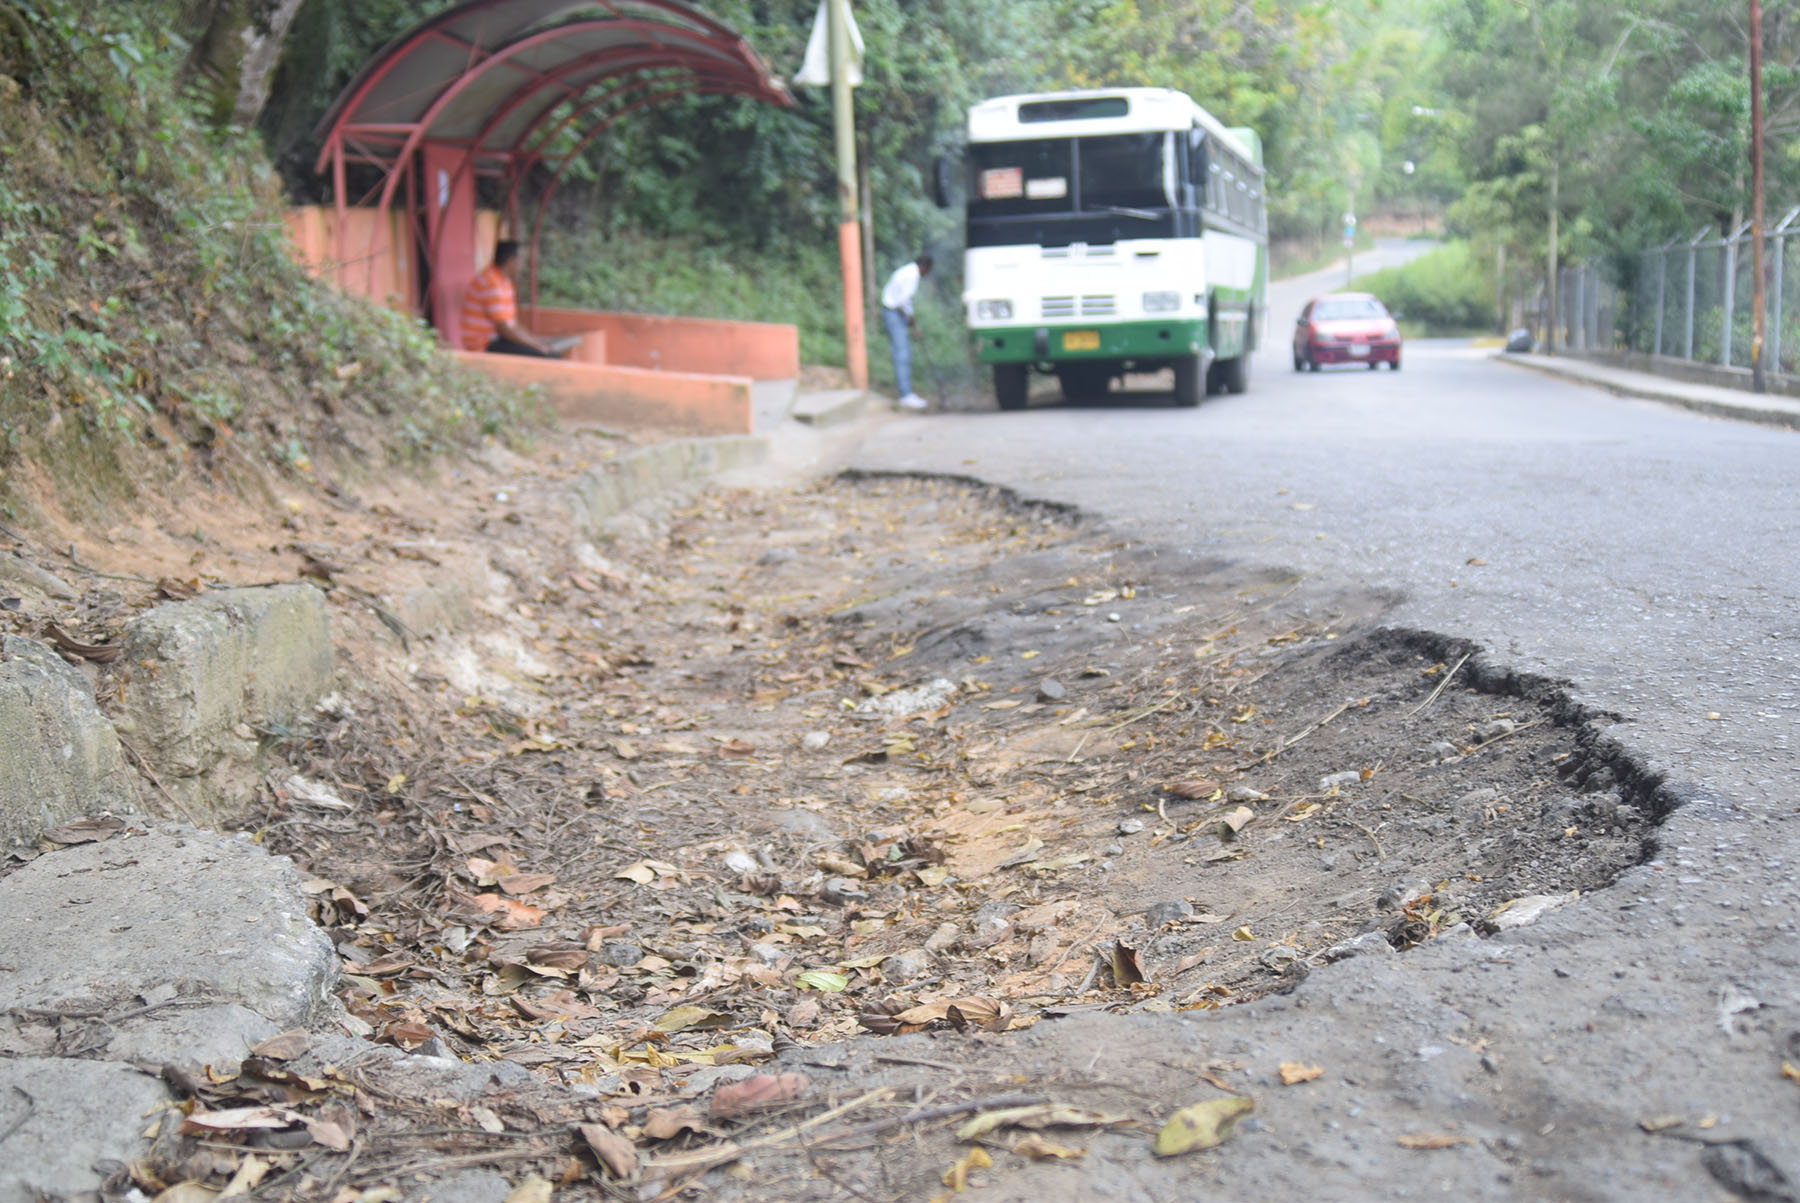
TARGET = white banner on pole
x,y
815,72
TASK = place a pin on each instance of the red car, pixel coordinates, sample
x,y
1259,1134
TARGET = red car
x,y
1346,327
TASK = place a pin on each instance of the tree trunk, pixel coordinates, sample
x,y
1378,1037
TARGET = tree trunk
x,y
236,44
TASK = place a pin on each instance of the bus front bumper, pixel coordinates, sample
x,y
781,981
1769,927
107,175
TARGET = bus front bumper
x,y
1147,341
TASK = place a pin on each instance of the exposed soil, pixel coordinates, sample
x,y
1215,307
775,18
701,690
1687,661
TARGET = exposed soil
x,y
771,768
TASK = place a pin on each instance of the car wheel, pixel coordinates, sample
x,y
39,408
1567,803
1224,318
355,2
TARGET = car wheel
x,y
1394,364
1373,364
1299,363
1312,364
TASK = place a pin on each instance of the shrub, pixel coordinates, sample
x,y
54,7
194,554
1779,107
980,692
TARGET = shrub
x,y
1449,290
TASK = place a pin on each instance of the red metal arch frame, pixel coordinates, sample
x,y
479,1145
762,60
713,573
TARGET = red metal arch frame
x,y
562,51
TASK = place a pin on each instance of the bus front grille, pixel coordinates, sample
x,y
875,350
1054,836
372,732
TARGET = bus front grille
x,y
1057,307
1098,306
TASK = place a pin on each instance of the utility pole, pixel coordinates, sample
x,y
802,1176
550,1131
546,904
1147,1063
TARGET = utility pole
x,y
843,119
1554,317
1757,316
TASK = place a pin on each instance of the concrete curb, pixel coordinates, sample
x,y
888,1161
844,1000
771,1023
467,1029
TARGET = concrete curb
x,y
1649,388
608,489
830,408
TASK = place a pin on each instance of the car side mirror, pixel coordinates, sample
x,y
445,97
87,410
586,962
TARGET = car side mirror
x,y
940,181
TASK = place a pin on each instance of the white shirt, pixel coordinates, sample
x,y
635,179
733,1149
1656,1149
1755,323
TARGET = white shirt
x,y
902,286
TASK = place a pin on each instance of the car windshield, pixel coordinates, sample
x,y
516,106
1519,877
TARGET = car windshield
x,y
1342,308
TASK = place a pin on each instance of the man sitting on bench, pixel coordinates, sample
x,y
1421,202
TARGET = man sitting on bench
x,y
490,311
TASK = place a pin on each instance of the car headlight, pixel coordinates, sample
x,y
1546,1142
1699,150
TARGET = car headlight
x,y
1161,302
993,311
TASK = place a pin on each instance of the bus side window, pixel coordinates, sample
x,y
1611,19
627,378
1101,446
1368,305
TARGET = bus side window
x,y
1197,174
1212,188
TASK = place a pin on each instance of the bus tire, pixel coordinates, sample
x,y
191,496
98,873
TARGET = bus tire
x,y
1012,384
1234,375
1188,382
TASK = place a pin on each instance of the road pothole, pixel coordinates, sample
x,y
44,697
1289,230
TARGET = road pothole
x,y
797,762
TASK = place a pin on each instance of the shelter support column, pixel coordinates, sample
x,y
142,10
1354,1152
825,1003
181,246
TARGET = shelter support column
x,y
856,353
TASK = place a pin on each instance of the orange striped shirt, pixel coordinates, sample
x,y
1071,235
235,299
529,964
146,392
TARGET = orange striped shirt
x,y
488,304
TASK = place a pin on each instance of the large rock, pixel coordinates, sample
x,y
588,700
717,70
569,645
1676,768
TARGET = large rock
x,y
65,1124
176,945
199,674
59,757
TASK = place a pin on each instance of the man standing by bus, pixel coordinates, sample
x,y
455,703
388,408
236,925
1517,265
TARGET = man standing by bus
x,y
897,320
490,311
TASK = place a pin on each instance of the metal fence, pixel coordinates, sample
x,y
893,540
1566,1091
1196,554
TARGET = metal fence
x,y
1689,300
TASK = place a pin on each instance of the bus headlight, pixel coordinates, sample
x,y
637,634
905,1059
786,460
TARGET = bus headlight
x,y
993,311
1161,302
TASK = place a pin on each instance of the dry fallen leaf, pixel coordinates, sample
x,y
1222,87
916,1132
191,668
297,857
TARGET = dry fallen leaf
x,y
512,914
1201,1126
1199,787
1433,1140
1233,822
957,1176
85,831
668,1122
1038,1115
1040,1149
641,873
284,1047
612,1150
1122,959
822,980
1293,1072
690,1016
533,1189
755,1093
1243,934
241,1119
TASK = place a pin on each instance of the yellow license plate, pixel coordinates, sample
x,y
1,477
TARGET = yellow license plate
x,y
1081,340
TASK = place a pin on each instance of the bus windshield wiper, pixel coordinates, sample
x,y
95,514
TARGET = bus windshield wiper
x,y
1122,211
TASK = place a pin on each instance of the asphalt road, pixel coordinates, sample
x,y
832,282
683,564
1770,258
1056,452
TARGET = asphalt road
x,y
1643,554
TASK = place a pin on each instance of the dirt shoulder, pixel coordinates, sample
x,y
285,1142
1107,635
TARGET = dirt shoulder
x,y
765,780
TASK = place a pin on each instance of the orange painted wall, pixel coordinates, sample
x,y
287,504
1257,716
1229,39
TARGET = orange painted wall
x,y
394,278
759,350
376,262
635,398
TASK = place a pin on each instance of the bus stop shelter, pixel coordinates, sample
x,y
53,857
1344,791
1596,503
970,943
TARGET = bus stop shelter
x,y
510,92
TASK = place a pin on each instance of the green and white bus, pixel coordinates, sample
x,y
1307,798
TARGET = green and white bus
x,y
1113,231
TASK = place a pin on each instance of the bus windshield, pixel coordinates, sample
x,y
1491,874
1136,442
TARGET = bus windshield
x,y
1067,175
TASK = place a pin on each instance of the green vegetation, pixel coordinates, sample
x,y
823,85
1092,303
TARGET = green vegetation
x,y
1445,291
150,316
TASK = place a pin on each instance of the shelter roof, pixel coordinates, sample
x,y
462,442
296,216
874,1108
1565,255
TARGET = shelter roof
x,y
502,77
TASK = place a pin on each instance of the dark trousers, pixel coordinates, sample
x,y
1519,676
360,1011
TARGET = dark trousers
x,y
506,346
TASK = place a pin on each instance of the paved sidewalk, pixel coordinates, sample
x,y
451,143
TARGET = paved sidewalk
x,y
1712,399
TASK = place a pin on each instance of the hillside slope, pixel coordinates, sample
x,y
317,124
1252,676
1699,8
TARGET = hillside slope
x,y
153,332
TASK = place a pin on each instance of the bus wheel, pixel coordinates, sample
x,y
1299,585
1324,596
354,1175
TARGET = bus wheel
x,y
1234,374
1188,382
1012,384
